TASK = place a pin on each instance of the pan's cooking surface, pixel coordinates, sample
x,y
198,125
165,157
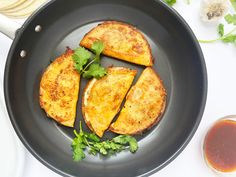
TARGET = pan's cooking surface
x,y
178,60
72,39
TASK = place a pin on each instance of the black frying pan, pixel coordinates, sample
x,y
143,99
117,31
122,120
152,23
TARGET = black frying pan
x,y
178,60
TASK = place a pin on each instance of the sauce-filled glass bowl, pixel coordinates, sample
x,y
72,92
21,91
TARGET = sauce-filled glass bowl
x,y
219,146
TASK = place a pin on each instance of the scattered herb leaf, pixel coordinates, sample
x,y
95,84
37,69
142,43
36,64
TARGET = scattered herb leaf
x,y
221,38
230,38
95,146
230,19
221,30
233,3
170,2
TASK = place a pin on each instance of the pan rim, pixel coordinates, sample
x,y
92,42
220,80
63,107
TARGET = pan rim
x,y
172,12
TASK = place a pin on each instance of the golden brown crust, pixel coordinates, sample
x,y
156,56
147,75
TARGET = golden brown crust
x,y
102,98
158,118
59,87
135,115
122,41
83,106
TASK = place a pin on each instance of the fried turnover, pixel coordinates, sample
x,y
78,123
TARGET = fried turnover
x,y
122,41
59,89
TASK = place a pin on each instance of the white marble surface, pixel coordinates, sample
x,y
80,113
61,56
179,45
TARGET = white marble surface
x,y
221,67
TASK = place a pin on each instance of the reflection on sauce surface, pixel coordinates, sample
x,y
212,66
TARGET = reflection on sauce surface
x,y
220,146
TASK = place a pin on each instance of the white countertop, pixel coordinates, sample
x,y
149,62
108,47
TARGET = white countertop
x,y
221,67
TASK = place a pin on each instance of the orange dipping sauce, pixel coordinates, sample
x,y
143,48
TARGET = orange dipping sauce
x,y
220,146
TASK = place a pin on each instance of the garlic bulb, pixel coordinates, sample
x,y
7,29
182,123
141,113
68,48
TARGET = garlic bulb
x,y
213,10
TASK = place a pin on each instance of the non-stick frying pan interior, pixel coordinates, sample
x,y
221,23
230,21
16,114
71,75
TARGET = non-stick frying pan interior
x,y
178,60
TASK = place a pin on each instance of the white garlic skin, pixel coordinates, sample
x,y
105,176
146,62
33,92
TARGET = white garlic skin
x,y
213,10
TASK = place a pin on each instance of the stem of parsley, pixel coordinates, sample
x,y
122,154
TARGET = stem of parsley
x,y
95,146
87,142
80,127
83,70
214,40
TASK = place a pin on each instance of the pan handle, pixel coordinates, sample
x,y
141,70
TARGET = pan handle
x,y
8,26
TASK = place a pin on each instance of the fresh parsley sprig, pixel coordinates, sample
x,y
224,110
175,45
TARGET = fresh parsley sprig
x,y
92,68
229,37
95,146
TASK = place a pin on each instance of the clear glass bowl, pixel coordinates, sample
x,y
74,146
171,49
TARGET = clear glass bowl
x,y
219,147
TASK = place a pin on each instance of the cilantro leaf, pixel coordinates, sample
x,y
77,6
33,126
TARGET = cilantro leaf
x,y
95,70
121,139
116,147
97,48
230,19
103,151
78,153
90,69
126,139
230,38
78,147
227,38
170,2
100,147
93,151
233,2
95,146
221,30
133,146
92,136
81,57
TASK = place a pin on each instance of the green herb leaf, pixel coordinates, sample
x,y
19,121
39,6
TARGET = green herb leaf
x,y
231,19
233,2
92,137
221,30
230,38
93,151
95,70
95,146
133,145
116,147
223,38
126,139
97,48
78,147
103,151
78,153
170,2
81,57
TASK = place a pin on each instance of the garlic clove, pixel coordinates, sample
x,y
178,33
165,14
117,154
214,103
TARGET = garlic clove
x,y
213,10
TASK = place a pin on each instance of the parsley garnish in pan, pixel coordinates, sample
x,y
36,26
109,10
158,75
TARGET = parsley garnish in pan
x,y
86,67
92,142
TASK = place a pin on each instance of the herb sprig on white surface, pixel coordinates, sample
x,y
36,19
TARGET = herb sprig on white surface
x,y
229,37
